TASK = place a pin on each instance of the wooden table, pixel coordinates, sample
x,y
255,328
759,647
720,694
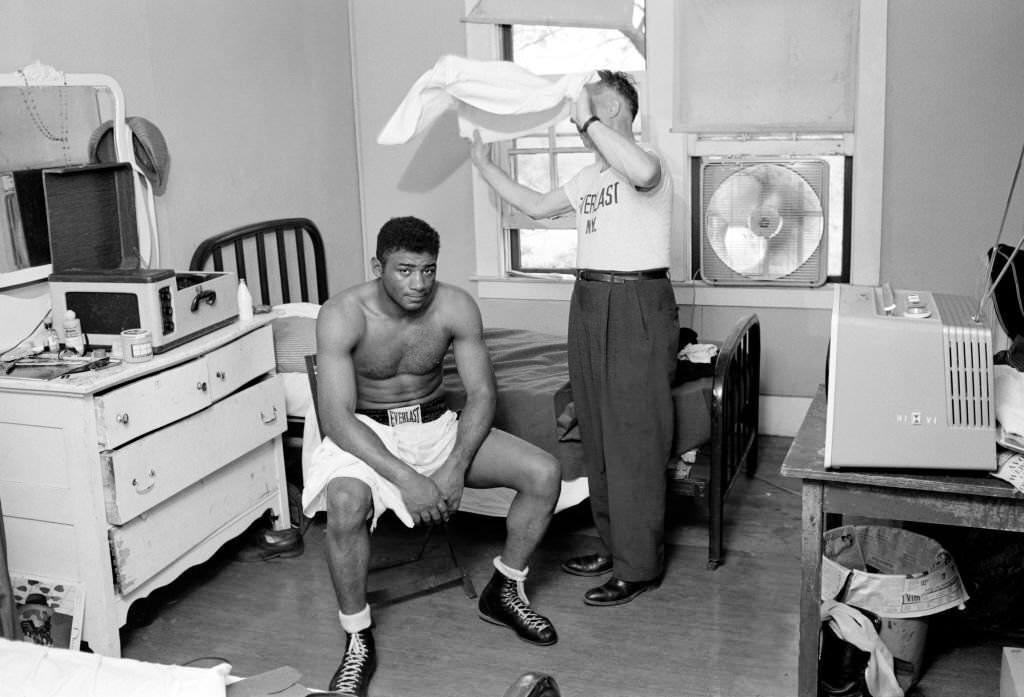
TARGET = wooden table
x,y
976,500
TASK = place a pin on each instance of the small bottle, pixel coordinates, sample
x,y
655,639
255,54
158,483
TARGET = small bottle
x,y
73,338
244,301
52,340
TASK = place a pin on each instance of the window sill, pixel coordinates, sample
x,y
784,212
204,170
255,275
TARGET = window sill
x,y
687,292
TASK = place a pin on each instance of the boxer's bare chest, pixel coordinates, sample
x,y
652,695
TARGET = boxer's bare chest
x,y
390,348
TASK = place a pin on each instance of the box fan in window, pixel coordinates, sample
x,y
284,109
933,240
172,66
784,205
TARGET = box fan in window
x,y
764,222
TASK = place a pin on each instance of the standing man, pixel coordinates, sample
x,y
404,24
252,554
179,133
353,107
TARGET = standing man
x,y
623,331
390,442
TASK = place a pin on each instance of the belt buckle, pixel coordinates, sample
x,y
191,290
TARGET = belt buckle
x,y
411,414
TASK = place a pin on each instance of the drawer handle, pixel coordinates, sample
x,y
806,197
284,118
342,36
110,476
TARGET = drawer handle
x,y
147,489
221,375
271,419
201,386
121,419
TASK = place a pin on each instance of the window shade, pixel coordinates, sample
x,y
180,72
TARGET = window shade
x,y
625,15
765,65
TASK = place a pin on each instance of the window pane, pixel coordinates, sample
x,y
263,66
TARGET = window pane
x,y
560,50
836,224
538,141
547,249
532,171
549,50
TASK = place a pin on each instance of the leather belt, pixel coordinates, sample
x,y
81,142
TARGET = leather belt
x,y
620,276
413,413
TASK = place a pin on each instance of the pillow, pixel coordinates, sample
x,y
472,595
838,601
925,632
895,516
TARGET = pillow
x,y
294,339
297,310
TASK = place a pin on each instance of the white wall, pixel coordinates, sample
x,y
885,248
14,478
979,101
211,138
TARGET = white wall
x,y
954,130
254,98
394,43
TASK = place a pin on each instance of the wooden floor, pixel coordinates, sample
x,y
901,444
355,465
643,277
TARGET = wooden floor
x,y
731,632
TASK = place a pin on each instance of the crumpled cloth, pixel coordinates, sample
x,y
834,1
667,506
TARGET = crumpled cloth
x,y
852,626
698,353
1009,398
31,669
500,99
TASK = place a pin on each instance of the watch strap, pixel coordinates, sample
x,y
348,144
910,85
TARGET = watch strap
x,y
586,124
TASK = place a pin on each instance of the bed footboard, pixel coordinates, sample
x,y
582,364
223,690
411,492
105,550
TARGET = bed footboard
x,y
734,422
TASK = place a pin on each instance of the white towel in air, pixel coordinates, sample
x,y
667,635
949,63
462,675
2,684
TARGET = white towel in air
x,y
500,99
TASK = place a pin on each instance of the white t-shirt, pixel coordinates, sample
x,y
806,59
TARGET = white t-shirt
x,y
619,228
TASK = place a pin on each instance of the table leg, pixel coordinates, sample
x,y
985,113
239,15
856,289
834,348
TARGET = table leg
x,y
810,588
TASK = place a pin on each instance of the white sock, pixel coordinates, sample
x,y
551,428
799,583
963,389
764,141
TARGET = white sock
x,y
509,572
355,622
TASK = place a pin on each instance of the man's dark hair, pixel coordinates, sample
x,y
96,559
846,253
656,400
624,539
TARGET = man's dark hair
x,y
407,233
624,86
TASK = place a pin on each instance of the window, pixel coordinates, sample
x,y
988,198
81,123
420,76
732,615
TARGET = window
x,y
862,150
544,161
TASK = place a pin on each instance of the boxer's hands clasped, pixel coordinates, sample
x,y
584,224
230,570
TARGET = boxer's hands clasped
x,y
450,480
424,500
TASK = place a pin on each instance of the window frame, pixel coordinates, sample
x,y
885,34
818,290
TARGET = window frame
x,y
866,146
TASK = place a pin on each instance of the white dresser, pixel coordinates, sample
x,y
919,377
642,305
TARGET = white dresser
x,y
124,477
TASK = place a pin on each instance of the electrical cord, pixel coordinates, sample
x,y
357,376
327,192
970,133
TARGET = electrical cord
x,y
34,329
999,235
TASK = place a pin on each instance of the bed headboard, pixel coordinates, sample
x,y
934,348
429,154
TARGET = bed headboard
x,y
275,257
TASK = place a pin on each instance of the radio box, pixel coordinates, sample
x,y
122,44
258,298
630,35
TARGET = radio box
x,y
174,307
910,382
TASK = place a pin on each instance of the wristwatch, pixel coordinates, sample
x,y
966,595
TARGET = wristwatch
x,y
586,124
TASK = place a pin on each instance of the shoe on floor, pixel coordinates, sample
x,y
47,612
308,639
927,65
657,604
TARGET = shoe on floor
x,y
615,591
266,544
503,602
588,565
357,666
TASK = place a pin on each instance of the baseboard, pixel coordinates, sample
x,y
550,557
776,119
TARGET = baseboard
x,y
782,416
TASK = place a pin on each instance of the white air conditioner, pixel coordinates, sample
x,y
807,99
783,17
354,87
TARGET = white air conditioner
x,y
764,222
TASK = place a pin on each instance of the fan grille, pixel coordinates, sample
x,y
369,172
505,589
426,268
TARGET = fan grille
x,y
764,222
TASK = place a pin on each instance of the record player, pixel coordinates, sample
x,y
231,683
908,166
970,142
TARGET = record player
x,y
94,249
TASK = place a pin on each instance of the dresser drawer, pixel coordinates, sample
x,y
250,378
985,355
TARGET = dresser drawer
x,y
151,542
147,404
233,365
147,471
135,409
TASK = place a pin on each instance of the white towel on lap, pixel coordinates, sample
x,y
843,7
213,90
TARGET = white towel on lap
x,y
490,502
500,99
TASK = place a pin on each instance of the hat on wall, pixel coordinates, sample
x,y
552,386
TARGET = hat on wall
x,y
148,142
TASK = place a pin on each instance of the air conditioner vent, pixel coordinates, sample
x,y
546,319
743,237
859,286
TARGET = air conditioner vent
x,y
968,349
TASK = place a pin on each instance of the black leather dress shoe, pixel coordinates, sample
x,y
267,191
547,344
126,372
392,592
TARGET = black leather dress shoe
x,y
268,544
588,565
615,591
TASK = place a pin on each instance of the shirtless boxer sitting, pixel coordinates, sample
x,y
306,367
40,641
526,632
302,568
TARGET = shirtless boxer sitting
x,y
390,442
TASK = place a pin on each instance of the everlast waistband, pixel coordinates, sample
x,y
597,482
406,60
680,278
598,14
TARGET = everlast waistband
x,y
413,413
620,276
